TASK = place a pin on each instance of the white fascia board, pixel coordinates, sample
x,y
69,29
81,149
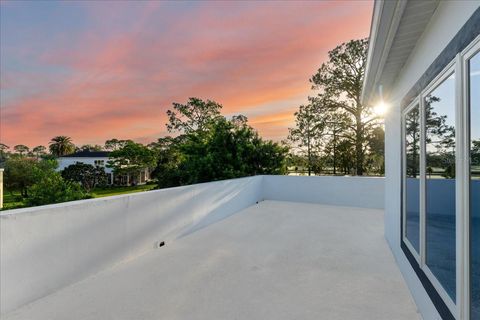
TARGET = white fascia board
x,y
385,22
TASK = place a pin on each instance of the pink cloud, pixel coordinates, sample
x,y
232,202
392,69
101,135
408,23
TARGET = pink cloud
x,y
119,83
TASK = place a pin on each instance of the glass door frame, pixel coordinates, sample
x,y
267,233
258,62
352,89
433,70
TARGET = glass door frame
x,y
459,66
447,72
465,239
417,255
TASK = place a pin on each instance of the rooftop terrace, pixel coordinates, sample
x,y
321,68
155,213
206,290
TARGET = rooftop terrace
x,y
273,260
267,260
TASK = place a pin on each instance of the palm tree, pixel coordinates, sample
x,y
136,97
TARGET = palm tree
x,y
61,145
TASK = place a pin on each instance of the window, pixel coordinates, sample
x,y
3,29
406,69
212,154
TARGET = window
x,y
440,184
430,184
412,177
474,177
99,163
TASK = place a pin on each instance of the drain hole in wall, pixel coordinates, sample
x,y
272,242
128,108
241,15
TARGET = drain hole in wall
x,y
161,244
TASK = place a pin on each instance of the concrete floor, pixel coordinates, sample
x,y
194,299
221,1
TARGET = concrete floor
x,y
275,260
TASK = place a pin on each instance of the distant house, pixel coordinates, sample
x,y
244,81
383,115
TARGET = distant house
x,y
100,159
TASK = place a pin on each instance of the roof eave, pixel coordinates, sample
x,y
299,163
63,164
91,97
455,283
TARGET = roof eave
x,y
385,22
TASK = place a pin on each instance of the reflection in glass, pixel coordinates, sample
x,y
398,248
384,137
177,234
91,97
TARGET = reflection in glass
x,y
474,75
412,182
440,184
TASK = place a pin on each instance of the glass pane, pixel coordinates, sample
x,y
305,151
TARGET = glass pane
x,y
440,184
412,182
474,71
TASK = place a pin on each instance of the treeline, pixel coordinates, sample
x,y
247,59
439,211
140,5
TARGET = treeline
x,y
206,147
335,133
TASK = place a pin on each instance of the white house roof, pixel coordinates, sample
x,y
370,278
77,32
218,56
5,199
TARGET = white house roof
x,y
395,30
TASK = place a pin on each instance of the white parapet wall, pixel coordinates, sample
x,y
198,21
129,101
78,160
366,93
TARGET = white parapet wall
x,y
365,192
46,248
1,188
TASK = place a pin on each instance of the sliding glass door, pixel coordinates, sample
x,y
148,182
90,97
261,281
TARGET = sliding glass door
x,y
440,240
441,186
474,198
412,178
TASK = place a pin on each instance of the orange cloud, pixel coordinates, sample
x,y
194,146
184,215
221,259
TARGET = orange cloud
x,y
117,80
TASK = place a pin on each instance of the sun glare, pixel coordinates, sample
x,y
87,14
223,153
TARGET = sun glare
x,y
381,108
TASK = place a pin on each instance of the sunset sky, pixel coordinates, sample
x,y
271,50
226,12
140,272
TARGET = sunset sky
x,y
99,70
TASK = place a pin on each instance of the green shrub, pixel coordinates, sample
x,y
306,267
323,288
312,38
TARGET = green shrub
x,y
54,189
87,175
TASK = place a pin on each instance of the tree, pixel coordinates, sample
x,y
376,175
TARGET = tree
x,y
346,156
475,153
21,149
376,144
87,175
112,144
131,159
336,133
39,151
222,149
307,134
340,83
89,147
295,161
3,152
115,144
269,157
211,147
21,173
192,116
438,131
61,145
53,188
412,142
169,158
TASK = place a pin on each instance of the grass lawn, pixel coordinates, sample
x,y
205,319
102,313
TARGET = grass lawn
x,y
14,200
114,191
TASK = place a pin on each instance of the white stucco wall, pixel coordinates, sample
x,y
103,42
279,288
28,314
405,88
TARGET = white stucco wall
x,y
449,17
366,192
64,162
1,188
46,248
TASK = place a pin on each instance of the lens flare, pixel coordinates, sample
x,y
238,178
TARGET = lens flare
x,y
380,109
